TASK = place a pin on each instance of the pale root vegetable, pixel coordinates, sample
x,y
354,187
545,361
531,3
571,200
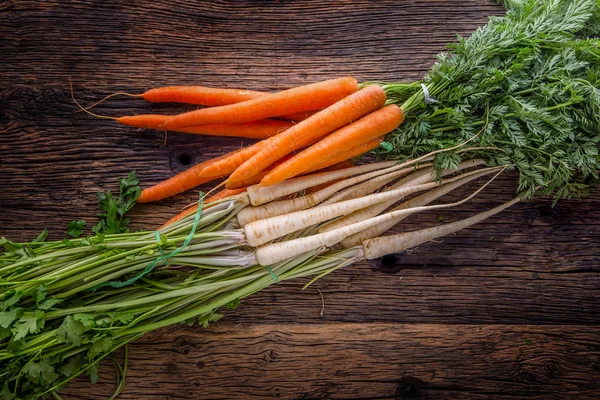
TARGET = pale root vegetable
x,y
424,199
303,98
340,114
266,230
275,208
223,194
334,167
380,246
279,251
418,178
371,126
261,195
370,185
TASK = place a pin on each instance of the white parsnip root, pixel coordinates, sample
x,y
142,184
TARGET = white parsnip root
x,y
378,208
424,199
259,195
380,246
281,207
275,252
266,230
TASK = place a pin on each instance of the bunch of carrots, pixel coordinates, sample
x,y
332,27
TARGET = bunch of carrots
x,y
303,129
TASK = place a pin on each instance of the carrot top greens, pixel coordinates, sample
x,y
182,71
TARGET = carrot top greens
x,y
526,85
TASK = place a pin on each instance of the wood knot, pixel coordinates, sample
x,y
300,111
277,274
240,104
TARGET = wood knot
x,y
181,345
182,159
553,370
270,356
526,376
388,264
411,388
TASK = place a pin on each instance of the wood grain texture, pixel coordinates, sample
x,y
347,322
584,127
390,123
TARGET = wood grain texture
x,y
357,361
531,270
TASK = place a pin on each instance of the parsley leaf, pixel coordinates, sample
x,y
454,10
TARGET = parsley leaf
x,y
12,298
70,331
92,372
100,346
4,333
40,372
73,365
39,294
7,318
87,320
123,318
114,208
30,322
207,319
75,228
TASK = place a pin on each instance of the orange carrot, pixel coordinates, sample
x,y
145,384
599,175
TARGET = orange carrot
x,y
256,178
246,182
226,165
221,195
301,116
298,99
146,121
356,151
201,95
175,185
254,130
369,127
322,123
198,174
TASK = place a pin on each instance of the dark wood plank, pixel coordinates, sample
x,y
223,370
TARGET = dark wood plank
x,y
264,45
356,361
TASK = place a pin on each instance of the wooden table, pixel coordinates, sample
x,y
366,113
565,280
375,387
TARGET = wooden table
x,y
505,310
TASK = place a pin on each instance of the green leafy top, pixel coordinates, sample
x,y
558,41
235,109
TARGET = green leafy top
x,y
524,85
112,219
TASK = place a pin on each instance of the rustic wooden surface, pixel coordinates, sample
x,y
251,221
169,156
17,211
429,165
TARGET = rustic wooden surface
x,y
507,309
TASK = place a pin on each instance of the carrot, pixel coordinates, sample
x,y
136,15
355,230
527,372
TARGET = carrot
x,y
226,165
246,182
332,118
298,99
256,178
253,130
301,116
200,95
369,127
356,151
220,195
175,185
198,174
